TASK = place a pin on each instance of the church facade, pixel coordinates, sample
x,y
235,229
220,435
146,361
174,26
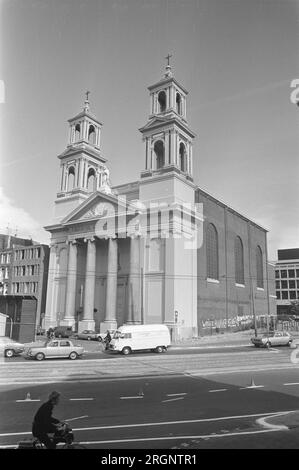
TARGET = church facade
x,y
156,250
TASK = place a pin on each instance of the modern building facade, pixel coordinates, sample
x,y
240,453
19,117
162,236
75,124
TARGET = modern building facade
x,y
24,271
287,279
156,250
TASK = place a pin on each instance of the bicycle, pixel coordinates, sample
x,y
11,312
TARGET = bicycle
x,y
64,435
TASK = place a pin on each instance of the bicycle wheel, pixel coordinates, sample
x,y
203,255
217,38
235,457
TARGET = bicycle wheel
x,y
74,445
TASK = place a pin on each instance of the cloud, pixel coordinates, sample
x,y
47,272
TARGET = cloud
x,y
20,221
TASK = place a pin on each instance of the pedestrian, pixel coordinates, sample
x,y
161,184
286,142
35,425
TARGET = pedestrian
x,y
50,332
107,339
44,423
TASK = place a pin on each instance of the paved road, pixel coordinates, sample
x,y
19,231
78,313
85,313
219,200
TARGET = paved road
x,y
189,363
160,412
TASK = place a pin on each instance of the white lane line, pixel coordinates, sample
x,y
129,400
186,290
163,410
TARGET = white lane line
x,y
167,438
163,423
175,394
80,399
219,390
173,399
131,398
274,427
26,400
291,383
251,387
78,417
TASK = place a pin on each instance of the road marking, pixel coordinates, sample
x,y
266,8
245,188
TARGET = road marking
x,y
277,427
26,400
131,398
79,399
251,386
164,423
291,383
78,417
173,399
175,394
219,390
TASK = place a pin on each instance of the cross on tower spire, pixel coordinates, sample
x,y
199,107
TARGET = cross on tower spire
x,y
86,103
168,66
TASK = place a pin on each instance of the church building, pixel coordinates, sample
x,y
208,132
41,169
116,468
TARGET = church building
x,y
156,250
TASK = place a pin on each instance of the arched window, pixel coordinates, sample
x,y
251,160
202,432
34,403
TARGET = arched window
x,y
91,135
162,101
178,101
71,179
259,267
91,179
77,132
182,161
239,261
160,154
212,253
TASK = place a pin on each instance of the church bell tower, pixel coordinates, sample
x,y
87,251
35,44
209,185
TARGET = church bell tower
x,y
167,136
82,165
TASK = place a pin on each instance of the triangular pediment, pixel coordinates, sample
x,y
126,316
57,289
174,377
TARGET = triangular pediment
x,y
154,122
98,205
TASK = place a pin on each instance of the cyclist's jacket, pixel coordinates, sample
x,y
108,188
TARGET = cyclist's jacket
x,y
43,420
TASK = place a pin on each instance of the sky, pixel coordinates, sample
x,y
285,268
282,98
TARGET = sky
x,y
237,59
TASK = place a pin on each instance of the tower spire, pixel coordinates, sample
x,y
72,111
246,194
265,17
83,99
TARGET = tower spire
x,y
86,102
168,66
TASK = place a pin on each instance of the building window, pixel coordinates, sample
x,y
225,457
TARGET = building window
x,y
292,294
259,267
71,179
277,274
297,272
284,284
178,101
277,284
91,135
278,294
182,158
212,253
160,154
291,272
162,101
283,273
77,132
292,285
91,178
239,261
284,295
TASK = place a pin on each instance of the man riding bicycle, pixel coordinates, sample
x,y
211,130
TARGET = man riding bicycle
x,y
44,423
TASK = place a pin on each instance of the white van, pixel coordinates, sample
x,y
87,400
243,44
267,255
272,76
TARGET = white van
x,y
129,338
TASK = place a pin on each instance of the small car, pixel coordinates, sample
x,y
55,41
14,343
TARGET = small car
x,y
63,331
14,349
274,338
88,334
55,348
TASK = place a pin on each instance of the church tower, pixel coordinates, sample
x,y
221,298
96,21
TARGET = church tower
x,y
168,139
82,165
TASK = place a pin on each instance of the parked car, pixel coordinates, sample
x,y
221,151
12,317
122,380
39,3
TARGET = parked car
x,y
274,338
63,331
88,334
55,348
10,347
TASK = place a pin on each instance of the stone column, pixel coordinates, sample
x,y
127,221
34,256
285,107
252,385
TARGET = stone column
x,y
111,288
50,318
134,307
88,322
70,307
